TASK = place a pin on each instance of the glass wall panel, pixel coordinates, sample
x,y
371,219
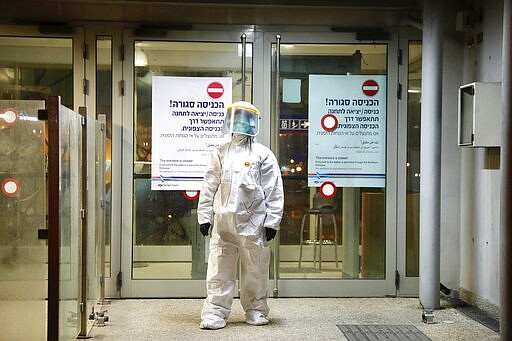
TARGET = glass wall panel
x,y
166,239
413,160
96,231
70,222
342,237
35,68
104,107
23,257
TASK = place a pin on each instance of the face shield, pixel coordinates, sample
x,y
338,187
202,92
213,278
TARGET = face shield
x,y
242,118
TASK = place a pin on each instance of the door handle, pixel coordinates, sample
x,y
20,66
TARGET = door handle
x,y
42,234
243,39
275,290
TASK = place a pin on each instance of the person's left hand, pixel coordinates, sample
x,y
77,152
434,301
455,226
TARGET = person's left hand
x,y
205,229
270,233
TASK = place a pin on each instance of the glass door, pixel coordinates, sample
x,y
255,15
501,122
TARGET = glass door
x,y
334,135
163,252
24,257
409,168
338,235
105,99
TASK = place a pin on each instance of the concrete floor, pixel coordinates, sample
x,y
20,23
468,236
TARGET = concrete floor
x,y
290,319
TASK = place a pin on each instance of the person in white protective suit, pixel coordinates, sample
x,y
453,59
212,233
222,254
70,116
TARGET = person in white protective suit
x,y
241,200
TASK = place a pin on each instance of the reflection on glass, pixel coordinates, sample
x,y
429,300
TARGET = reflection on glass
x,y
166,242
23,257
35,68
70,222
356,249
104,107
413,159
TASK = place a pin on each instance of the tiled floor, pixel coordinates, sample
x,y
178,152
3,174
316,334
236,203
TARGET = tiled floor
x,y
291,319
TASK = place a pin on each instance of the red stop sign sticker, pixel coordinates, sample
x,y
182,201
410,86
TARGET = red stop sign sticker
x,y
191,195
370,87
9,116
10,187
328,190
215,90
329,122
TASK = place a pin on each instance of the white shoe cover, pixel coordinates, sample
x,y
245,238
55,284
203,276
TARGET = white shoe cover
x,y
212,324
256,318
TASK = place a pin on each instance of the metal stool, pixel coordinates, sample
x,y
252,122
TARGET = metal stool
x,y
321,207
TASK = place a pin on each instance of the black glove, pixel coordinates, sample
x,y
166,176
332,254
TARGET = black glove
x,y
270,233
205,228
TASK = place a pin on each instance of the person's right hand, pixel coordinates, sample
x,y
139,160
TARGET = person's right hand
x,y
270,233
205,228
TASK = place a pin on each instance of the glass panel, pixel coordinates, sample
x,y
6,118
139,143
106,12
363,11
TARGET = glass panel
x,y
347,238
35,68
23,257
70,222
95,231
166,239
104,107
413,160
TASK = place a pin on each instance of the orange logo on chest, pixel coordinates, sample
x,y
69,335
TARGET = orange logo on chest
x,y
247,164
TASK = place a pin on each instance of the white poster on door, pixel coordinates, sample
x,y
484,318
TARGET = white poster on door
x,y
187,118
347,130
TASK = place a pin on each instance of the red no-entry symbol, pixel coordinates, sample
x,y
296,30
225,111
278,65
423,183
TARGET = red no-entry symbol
x,y
215,90
370,87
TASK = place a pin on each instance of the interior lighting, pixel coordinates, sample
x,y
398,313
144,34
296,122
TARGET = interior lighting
x,y
140,58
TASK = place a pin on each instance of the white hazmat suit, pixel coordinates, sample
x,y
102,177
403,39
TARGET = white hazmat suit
x,y
243,192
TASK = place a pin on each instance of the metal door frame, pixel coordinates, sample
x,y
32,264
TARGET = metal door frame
x,y
348,287
115,32
156,287
407,286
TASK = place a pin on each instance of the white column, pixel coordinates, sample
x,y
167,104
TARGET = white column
x,y
430,162
506,179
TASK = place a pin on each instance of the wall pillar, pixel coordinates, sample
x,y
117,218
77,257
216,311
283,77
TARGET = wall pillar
x,y
506,179
430,160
